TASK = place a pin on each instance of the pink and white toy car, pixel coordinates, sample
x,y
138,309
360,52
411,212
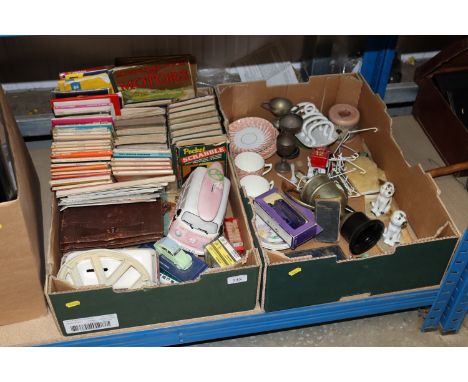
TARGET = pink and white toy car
x,y
200,209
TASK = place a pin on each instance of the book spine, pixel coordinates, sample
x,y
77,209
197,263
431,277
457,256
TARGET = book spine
x,y
140,154
87,154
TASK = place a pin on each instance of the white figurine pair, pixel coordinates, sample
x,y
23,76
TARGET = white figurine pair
x,y
398,221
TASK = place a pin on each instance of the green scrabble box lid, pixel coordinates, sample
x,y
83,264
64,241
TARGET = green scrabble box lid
x,y
191,154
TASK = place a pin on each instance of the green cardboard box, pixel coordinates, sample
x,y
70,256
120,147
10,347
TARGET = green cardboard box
x,y
317,276
219,292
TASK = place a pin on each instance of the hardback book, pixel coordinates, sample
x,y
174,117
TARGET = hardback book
x,y
146,146
83,72
194,123
183,113
193,101
145,172
80,105
216,127
133,153
143,164
135,139
143,121
193,117
79,93
82,119
138,130
155,78
95,81
135,160
198,136
70,187
176,107
129,113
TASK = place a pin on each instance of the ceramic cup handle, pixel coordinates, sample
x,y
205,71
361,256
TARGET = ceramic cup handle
x,y
272,184
268,168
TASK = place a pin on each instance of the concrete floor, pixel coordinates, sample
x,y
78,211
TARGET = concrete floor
x,y
398,329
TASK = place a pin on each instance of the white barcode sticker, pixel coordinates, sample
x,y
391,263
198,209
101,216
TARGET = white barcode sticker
x,y
237,279
88,324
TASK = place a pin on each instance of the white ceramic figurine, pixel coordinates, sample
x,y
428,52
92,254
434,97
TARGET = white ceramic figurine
x,y
293,178
392,233
384,201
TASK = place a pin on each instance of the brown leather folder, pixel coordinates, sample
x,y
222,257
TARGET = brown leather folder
x,y
111,226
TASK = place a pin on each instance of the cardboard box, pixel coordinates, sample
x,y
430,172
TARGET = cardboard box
x,y
21,239
318,275
218,292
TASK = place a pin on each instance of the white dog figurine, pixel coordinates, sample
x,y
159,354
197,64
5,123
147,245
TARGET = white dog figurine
x,y
392,233
384,201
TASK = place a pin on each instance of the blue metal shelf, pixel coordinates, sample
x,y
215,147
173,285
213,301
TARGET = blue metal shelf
x,y
262,322
377,62
449,306
451,303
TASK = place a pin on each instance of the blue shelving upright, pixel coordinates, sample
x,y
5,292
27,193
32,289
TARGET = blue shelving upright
x,y
377,62
451,303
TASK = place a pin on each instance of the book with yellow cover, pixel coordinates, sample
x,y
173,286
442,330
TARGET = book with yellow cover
x,y
97,81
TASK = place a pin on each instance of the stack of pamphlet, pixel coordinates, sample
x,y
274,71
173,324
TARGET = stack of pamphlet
x,y
193,119
140,146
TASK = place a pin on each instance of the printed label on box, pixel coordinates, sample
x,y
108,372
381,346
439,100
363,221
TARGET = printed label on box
x,y
237,279
88,324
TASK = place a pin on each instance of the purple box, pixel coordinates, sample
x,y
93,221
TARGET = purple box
x,y
294,223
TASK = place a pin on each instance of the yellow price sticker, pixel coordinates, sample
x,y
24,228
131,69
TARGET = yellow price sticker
x,y
295,271
72,304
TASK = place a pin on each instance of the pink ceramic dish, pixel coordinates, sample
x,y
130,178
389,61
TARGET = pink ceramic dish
x,y
253,134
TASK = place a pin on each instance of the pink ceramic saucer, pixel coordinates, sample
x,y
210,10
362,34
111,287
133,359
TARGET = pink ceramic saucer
x,y
252,134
